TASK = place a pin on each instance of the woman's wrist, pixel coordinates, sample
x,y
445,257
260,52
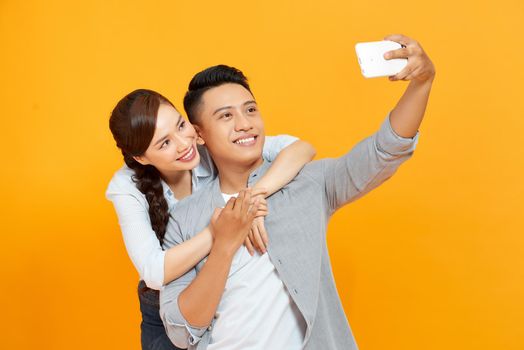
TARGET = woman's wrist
x,y
224,250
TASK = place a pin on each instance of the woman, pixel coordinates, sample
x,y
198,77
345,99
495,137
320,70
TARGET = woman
x,y
165,162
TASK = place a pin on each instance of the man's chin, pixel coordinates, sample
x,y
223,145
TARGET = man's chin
x,y
244,158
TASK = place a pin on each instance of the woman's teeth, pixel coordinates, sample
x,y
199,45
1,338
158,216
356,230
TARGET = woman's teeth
x,y
188,154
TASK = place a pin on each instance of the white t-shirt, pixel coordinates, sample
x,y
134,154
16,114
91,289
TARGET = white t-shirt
x,y
256,310
132,208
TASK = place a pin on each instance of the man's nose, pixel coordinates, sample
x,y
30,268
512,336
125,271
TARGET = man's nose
x,y
242,123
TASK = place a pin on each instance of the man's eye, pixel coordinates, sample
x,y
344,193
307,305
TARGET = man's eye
x,y
252,109
227,115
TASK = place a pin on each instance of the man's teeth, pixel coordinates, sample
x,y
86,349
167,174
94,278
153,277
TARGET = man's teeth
x,y
241,141
189,154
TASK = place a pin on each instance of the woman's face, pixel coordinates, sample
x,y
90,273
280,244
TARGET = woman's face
x,y
173,147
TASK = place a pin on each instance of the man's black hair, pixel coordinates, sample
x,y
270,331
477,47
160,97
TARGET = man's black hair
x,y
209,78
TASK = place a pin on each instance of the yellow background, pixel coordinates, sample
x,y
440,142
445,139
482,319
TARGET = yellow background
x,y
434,259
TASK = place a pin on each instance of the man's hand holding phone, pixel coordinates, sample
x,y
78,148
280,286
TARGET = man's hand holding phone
x,y
397,56
419,67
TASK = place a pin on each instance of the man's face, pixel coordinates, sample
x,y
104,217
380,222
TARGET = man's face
x,y
231,125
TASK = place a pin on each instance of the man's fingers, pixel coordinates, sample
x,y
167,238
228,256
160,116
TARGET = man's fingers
x,y
240,200
252,212
399,38
412,74
246,201
399,53
230,205
216,214
404,73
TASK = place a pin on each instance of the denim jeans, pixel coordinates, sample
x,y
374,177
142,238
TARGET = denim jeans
x,y
153,334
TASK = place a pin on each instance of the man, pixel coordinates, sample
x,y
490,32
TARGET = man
x,y
285,299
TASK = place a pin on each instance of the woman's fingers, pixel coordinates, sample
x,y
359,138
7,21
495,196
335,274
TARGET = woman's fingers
x,y
249,246
256,240
259,192
262,206
261,213
262,230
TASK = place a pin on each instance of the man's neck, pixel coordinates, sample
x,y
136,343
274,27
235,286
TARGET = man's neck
x,y
234,177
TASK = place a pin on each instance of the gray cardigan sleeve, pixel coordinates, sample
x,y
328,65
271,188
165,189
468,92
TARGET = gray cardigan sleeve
x,y
179,331
367,165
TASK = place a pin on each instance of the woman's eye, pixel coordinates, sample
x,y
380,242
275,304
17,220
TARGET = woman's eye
x,y
164,144
182,125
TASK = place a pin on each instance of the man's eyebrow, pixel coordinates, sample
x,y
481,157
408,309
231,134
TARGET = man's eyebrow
x,y
166,136
227,107
221,109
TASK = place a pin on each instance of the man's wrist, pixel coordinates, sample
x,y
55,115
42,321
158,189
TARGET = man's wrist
x,y
427,83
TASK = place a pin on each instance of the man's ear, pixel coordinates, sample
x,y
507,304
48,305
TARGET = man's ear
x,y
200,140
142,160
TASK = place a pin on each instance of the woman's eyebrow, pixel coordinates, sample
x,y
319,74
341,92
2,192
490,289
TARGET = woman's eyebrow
x,y
160,140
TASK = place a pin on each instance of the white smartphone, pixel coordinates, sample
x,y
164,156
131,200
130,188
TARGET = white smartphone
x,y
372,62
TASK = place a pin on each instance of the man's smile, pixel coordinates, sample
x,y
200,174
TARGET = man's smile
x,y
246,140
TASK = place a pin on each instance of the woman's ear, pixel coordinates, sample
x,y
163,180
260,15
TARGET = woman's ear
x,y
142,160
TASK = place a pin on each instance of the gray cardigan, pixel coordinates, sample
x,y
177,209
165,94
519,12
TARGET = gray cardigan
x,y
296,224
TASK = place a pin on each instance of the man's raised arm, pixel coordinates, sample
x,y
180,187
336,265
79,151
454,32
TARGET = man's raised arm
x,y
376,158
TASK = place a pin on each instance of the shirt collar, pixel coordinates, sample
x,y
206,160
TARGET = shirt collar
x,y
218,199
205,169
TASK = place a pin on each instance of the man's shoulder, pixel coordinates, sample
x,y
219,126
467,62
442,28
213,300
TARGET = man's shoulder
x,y
314,170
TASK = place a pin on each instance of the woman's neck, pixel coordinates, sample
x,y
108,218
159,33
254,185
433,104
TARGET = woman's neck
x,y
179,183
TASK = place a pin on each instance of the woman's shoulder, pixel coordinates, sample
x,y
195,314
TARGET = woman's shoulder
x,y
122,183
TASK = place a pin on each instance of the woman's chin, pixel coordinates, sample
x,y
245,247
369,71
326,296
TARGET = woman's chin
x,y
188,165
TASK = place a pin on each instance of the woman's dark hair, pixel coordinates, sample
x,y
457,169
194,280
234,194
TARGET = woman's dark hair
x,y
207,79
133,123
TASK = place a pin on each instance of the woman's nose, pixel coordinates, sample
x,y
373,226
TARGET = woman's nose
x,y
182,143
